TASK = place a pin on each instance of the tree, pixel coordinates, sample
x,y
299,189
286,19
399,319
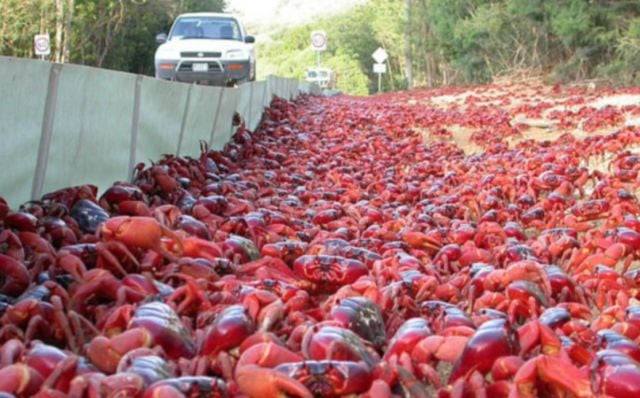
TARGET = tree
x,y
408,61
116,34
430,42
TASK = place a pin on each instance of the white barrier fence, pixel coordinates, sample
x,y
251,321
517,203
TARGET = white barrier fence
x,y
66,125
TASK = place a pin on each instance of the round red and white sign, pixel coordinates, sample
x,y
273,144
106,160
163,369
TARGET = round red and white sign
x,y
319,40
42,44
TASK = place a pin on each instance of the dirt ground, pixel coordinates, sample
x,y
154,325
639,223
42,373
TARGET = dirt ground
x,y
539,129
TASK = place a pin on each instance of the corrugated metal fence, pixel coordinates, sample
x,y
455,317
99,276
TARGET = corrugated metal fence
x,y
66,125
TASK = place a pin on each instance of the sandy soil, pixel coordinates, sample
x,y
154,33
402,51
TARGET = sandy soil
x,y
616,100
539,129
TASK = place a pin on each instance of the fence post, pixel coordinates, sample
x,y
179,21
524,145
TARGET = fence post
x,y
264,95
234,112
215,118
135,121
47,130
185,116
249,121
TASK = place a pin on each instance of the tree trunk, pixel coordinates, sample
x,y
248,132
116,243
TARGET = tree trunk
x,y
43,8
3,26
429,70
67,31
106,47
408,60
59,28
445,77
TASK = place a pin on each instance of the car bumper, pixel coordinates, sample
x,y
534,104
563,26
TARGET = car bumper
x,y
219,72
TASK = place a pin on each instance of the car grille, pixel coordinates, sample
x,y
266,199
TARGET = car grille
x,y
197,54
187,66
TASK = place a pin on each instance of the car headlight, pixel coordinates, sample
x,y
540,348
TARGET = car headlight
x,y
237,54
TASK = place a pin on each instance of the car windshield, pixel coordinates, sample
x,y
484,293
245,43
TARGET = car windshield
x,y
205,28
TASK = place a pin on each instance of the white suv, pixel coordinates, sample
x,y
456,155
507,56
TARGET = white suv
x,y
208,48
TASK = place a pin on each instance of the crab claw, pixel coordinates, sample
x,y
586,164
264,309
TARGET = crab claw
x,y
555,371
268,383
535,333
443,348
141,232
268,355
418,240
200,248
20,380
105,353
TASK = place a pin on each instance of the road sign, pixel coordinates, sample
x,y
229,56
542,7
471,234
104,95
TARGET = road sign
x,y
41,44
379,68
319,40
380,55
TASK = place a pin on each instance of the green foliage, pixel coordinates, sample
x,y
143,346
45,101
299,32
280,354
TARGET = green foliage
x,y
572,23
474,41
115,34
627,63
352,38
350,77
448,41
19,21
130,44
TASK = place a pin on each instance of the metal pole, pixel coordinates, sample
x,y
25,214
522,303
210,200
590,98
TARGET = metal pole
x,y
185,117
379,82
135,124
46,132
318,58
215,119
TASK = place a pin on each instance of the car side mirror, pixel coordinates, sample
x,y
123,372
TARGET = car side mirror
x,y
161,38
249,39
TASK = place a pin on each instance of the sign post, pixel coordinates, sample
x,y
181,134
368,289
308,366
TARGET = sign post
x,y
379,69
42,45
319,42
380,56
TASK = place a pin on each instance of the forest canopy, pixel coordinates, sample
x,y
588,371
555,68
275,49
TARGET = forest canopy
x,y
430,42
461,42
113,34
